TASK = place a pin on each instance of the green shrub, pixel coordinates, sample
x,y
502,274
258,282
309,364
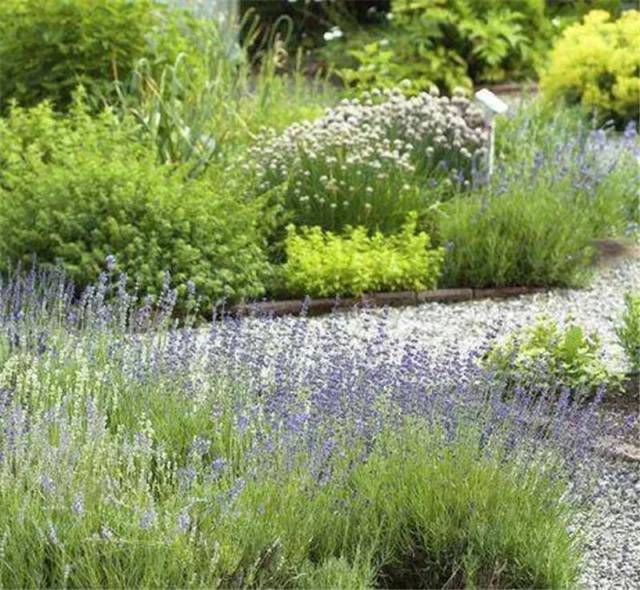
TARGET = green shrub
x,y
629,330
552,356
323,264
596,64
78,189
450,43
48,47
519,238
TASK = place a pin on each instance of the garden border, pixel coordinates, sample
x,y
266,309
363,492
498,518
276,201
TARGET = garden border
x,y
322,306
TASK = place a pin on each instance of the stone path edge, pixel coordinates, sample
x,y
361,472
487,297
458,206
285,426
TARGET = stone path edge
x,y
323,306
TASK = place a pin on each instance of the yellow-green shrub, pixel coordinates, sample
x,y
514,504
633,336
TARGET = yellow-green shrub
x,y
597,64
324,264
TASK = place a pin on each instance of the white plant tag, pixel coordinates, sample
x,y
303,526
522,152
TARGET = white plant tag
x,y
491,102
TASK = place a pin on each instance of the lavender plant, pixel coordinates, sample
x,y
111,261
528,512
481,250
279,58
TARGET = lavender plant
x,y
266,452
371,161
556,188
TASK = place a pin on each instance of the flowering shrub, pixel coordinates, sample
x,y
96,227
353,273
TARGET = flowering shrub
x,y
629,330
597,64
268,453
370,162
544,353
76,189
323,264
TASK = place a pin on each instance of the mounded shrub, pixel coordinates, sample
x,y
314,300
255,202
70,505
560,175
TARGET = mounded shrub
x,y
77,189
596,64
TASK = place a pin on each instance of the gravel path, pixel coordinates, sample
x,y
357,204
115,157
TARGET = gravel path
x,y
465,325
612,559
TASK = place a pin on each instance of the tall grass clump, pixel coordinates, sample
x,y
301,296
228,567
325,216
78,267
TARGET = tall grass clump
x,y
211,106
268,453
371,162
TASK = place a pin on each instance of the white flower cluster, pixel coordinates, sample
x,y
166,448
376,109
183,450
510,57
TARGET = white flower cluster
x,y
367,153
383,128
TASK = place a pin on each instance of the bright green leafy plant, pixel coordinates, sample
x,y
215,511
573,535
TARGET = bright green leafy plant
x,y
629,330
76,189
325,264
596,64
450,43
552,356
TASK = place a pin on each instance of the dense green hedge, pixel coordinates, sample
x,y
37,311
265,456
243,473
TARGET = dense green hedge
x,y
80,188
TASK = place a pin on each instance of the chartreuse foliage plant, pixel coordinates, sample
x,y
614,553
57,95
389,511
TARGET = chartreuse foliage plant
x,y
628,330
545,352
324,264
79,188
266,454
596,64
49,47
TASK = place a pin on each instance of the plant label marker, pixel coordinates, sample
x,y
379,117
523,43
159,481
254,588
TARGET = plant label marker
x,y
493,105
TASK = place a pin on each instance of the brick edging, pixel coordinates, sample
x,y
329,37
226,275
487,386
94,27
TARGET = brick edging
x,y
373,300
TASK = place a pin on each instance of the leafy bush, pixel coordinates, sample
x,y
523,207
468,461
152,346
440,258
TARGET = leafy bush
x,y
78,189
546,354
323,264
629,330
49,47
267,454
369,163
450,43
597,64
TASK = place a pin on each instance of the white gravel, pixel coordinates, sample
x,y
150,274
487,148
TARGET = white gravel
x,y
612,558
465,325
